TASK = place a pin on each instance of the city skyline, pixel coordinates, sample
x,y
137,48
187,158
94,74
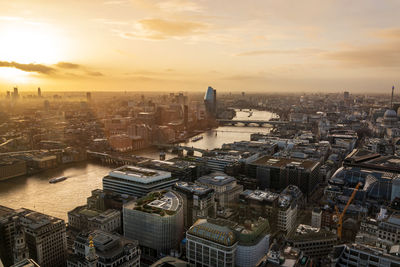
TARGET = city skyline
x,y
257,46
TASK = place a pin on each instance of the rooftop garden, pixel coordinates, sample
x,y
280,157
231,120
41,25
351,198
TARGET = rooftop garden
x,y
142,204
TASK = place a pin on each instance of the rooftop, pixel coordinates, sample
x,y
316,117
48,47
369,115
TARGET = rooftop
x,y
35,220
260,195
284,162
219,233
138,174
159,202
106,244
193,188
216,178
306,232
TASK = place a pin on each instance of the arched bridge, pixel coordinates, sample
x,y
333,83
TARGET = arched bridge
x,y
260,123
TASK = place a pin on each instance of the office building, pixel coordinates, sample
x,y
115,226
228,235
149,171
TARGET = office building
x,y
210,101
156,221
136,181
110,250
316,217
45,236
218,163
11,167
211,244
226,189
278,173
364,255
218,242
313,242
287,213
81,218
256,203
198,202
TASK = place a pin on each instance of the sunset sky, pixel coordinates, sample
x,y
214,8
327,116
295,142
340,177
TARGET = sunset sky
x,y
181,45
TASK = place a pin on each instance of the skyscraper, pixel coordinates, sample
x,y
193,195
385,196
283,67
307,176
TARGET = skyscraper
x,y
15,94
210,101
39,92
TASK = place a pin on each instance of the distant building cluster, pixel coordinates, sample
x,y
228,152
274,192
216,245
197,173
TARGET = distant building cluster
x,y
321,187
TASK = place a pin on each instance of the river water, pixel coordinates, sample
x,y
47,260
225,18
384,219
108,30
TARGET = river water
x,y
35,192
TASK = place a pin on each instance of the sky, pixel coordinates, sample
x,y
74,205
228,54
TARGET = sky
x,y
182,45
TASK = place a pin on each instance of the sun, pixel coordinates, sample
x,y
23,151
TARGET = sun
x,y
24,42
27,42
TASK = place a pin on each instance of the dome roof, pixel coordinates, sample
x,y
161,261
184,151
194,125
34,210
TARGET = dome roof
x,y
390,114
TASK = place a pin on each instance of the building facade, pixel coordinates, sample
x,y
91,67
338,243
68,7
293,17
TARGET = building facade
x,y
136,181
156,221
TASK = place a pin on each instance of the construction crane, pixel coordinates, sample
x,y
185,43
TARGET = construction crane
x,y
341,215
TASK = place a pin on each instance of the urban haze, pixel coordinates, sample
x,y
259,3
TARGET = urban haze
x,y
199,133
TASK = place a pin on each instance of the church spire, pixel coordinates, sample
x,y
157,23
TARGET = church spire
x,y
91,256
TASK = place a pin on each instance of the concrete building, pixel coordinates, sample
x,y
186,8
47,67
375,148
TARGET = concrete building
x,y
316,218
364,255
278,173
226,243
136,181
256,203
110,250
45,236
11,167
211,244
156,221
218,163
287,213
313,242
226,189
81,218
198,202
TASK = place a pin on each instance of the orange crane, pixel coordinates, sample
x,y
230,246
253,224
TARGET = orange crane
x,y
341,215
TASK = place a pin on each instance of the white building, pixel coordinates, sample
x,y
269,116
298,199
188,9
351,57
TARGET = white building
x,y
136,181
156,221
316,217
287,213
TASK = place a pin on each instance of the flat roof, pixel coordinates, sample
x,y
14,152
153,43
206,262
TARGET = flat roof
x,y
283,162
193,188
307,232
216,178
139,174
260,195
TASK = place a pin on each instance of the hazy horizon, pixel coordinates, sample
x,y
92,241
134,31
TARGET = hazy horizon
x,y
181,45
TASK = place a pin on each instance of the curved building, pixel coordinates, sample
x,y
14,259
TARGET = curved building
x,y
227,243
156,221
211,244
210,101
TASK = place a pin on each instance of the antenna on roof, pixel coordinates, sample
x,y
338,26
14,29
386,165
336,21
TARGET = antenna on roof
x,y
391,101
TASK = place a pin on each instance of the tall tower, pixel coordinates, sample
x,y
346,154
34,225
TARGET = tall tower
x,y
91,256
210,101
39,92
15,94
20,250
391,100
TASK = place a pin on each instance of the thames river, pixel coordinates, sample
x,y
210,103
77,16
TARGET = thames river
x,y
35,192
